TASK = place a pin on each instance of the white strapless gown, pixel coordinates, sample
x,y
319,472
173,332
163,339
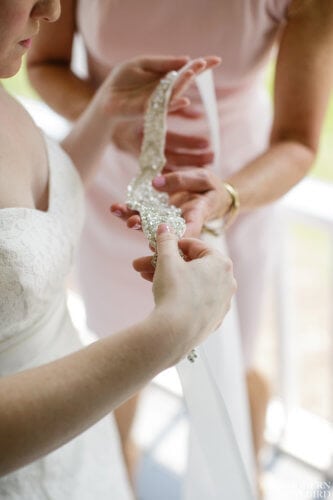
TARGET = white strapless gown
x,y
36,254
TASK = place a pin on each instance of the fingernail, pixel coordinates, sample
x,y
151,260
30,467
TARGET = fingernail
x,y
136,226
159,181
163,228
118,213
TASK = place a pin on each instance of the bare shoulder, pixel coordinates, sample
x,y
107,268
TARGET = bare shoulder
x,y
22,155
304,72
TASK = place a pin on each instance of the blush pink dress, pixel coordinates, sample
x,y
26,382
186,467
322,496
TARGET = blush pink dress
x,y
243,33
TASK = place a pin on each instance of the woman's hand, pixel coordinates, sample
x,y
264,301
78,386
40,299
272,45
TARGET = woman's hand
x,y
191,295
129,86
199,193
180,149
123,97
128,89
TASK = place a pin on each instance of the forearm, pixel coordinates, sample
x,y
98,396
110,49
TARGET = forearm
x,y
61,89
272,174
43,408
88,138
70,96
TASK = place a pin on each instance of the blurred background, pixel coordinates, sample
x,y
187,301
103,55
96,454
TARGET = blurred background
x,y
295,351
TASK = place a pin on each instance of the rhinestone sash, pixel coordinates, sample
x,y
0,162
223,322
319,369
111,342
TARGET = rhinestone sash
x,y
153,207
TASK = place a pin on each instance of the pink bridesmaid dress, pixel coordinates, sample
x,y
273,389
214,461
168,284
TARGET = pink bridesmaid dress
x,y
243,33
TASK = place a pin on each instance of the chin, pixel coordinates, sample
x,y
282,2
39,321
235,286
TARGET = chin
x,y
9,70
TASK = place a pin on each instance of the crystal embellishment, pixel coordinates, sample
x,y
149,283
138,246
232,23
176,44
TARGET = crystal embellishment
x,y
154,207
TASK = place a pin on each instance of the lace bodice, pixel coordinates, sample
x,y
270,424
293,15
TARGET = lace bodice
x,y
36,249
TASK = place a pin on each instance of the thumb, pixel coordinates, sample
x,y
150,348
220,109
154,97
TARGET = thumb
x,y
166,242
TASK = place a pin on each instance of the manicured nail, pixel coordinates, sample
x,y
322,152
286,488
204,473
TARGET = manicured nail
x,y
159,181
163,228
136,226
118,213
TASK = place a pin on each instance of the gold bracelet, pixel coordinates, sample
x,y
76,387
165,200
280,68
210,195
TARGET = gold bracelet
x,y
234,205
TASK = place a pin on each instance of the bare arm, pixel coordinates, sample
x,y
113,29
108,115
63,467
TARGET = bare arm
x,y
304,76
45,407
49,70
303,82
122,98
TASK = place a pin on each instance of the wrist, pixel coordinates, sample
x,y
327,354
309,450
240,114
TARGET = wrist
x,y
112,111
108,108
170,334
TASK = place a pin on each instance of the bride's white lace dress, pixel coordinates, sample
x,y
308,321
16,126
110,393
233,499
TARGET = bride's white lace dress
x,y
36,253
